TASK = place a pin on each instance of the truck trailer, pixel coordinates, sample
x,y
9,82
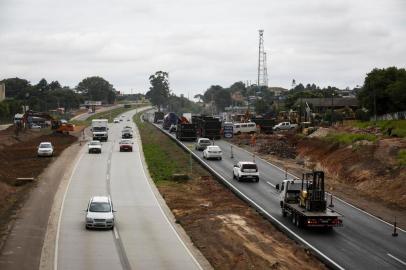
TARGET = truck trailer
x,y
303,200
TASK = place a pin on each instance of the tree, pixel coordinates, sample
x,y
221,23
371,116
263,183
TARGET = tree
x,y
384,89
159,91
199,97
16,87
219,96
261,106
97,89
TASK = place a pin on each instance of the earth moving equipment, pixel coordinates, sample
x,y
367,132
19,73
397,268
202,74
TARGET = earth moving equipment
x,y
305,202
56,125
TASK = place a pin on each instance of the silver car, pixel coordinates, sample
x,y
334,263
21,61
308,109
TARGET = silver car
x,y
99,213
45,149
202,143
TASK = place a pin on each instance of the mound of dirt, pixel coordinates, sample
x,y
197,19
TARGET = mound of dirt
x,y
369,168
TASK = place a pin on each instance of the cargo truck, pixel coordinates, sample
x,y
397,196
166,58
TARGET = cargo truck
x,y
186,132
158,116
100,129
207,126
169,120
303,200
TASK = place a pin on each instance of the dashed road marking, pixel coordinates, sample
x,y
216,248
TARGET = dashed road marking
x,y
116,234
269,183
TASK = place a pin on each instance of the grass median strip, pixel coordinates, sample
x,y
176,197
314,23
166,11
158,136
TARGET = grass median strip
x,y
229,233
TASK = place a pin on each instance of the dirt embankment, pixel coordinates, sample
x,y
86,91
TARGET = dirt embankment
x,y
230,234
18,159
370,169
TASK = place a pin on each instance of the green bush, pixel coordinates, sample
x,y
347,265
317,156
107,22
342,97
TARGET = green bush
x,y
402,158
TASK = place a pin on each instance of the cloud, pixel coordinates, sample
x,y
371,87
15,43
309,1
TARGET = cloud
x,y
200,42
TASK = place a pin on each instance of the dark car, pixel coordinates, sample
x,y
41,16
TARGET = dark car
x,y
126,145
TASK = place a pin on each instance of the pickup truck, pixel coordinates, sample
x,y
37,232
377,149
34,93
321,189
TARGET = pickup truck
x,y
246,170
284,126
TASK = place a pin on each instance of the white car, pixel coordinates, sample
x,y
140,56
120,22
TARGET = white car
x,y
95,147
45,149
35,126
212,151
99,213
202,143
116,120
246,170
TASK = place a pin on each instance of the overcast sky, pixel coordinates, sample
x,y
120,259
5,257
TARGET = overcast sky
x,y
200,42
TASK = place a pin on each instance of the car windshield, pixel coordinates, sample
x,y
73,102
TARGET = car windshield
x,y
95,143
45,145
99,207
205,141
99,129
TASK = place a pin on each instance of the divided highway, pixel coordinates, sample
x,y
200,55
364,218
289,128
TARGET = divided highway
x,y
143,237
364,242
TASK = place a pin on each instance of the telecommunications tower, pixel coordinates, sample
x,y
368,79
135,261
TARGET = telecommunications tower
x,y
262,68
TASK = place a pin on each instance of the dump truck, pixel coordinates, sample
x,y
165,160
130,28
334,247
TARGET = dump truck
x,y
207,126
304,201
186,132
158,116
265,125
169,120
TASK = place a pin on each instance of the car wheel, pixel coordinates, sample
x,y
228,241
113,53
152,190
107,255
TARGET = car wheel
x,y
90,152
284,214
238,178
257,179
220,158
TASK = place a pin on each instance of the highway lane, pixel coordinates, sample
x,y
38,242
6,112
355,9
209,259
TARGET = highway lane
x,y
143,238
363,243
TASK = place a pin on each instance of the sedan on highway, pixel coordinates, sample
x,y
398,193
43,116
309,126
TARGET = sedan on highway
x,y
45,149
99,213
212,152
126,145
95,147
202,143
116,120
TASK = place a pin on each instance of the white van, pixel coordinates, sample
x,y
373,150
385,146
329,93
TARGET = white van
x,y
249,127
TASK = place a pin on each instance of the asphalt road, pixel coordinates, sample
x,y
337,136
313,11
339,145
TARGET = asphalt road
x,y
364,242
143,237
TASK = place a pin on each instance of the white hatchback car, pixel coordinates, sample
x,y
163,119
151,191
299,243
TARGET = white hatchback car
x,y
212,151
95,147
45,149
99,213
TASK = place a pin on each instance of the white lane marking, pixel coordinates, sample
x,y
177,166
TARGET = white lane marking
x,y
108,176
397,259
341,200
265,212
269,183
61,211
163,213
115,233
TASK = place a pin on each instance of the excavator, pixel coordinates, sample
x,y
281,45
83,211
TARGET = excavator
x,y
56,125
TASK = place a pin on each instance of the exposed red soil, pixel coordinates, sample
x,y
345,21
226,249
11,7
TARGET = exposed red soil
x,y
19,159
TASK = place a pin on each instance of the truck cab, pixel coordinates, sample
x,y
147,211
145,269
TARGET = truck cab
x,y
289,191
100,129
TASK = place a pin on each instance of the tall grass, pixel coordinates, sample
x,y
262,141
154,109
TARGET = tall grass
x,y
349,138
398,126
402,158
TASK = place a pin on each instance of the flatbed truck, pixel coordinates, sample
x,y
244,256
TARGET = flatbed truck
x,y
303,200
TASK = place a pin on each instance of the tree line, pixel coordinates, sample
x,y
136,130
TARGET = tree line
x,y
45,96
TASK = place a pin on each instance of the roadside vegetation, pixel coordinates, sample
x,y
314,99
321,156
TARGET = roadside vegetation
x,y
402,158
396,128
349,138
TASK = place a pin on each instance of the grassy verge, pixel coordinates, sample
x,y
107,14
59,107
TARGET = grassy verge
x,y
349,138
402,158
397,127
110,115
163,156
